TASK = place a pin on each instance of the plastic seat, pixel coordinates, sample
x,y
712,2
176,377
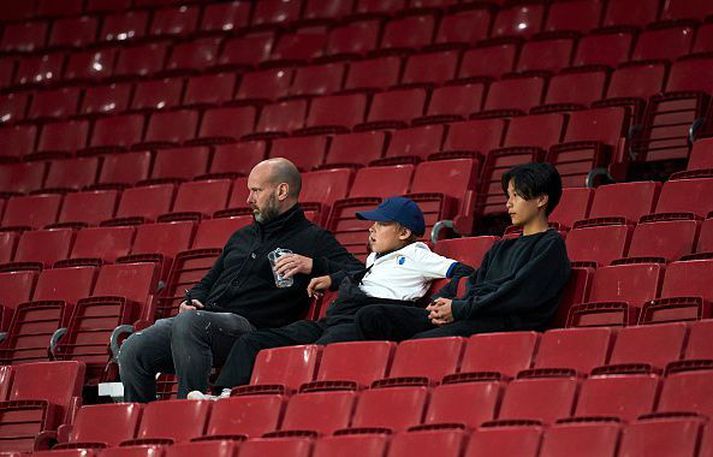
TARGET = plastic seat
x,y
626,396
447,443
22,177
323,187
501,94
211,89
476,136
387,7
44,395
157,94
17,141
300,46
338,113
358,148
576,87
42,248
160,243
180,163
124,26
609,201
276,11
261,414
349,230
521,439
535,131
13,106
225,124
237,159
464,26
585,438
247,50
450,403
24,36
667,239
62,138
125,169
573,206
705,239
348,364
267,84
54,104
455,102
171,127
598,245
664,43
415,143
88,208
686,389
72,174
685,294
393,408
197,55
8,244
578,349
700,157
500,55
282,117
578,16
116,132
174,21
698,337
318,79
322,412
90,66
305,152
142,60
353,38
223,17
107,425
272,364
33,211
273,447
395,108
373,182
215,448
120,293
377,73
684,196
190,419
18,287
609,48
552,54
703,39
677,9
95,6
102,243
539,398
428,360
316,9
105,99
618,293
39,69
131,451
196,199
655,345
430,68
641,14
408,32
661,435
19,11
75,32
519,20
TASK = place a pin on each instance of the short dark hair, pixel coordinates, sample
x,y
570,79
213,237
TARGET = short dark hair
x,y
532,180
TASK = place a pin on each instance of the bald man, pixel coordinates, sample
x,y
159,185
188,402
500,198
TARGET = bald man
x,y
238,294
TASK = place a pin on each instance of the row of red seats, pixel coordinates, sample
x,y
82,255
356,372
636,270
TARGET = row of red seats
x,y
460,24
655,435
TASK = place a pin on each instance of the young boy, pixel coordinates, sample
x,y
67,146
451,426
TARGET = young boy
x,y
398,273
517,286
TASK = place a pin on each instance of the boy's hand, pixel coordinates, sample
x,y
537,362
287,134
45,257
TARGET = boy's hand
x,y
318,284
290,264
184,306
440,312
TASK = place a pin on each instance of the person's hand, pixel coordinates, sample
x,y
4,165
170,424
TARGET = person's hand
x,y
292,264
184,306
316,285
440,311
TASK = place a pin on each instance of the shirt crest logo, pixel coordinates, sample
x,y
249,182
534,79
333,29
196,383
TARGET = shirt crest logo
x,y
401,260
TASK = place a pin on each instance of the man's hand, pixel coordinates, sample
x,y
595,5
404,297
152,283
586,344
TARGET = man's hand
x,y
316,285
440,312
292,264
184,306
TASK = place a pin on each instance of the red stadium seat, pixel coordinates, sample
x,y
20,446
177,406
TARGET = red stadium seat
x,y
180,163
609,48
246,50
598,244
197,55
17,141
189,419
395,108
316,9
224,17
408,32
214,233
491,58
424,362
655,345
700,157
106,425
377,73
124,26
260,415
282,117
8,244
24,36
196,199
276,11
687,389
393,408
544,399
210,89
705,240
88,208
215,448
39,249
116,132
94,6
41,69
161,242
274,447
102,244
515,94
578,349
678,9
455,102
141,60
579,87
321,412
661,435
507,439
225,125
76,32
506,353
171,128
174,21
640,14
267,84
125,169
698,337
703,39
609,201
62,138
110,98
338,113
353,38
22,177
272,364
546,54
300,46
451,403
382,182
13,106
479,136
573,206
379,7
72,174
54,104
468,25
446,443
584,438
667,239
414,144
18,287
347,364
355,148
324,187
318,79
157,94
519,20
685,196
626,396
578,16
664,43
237,159
35,211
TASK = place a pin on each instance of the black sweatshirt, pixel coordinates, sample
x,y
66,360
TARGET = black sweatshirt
x,y
241,280
520,278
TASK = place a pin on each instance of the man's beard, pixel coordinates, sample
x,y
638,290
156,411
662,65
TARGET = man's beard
x,y
269,212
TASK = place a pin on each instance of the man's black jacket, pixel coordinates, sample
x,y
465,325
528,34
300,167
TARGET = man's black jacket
x,y
241,279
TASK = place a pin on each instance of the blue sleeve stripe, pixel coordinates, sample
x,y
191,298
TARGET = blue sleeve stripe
x,y
449,273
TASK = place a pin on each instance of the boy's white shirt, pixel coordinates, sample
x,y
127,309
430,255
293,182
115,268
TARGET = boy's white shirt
x,y
404,274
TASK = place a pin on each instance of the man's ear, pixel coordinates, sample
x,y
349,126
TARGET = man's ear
x,y
283,191
405,233
542,201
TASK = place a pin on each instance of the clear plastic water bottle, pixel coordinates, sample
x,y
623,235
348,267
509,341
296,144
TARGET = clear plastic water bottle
x,y
280,281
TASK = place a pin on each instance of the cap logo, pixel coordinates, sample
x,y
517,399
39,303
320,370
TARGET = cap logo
x,y
401,260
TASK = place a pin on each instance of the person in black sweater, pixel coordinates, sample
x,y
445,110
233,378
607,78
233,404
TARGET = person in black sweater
x,y
518,285
238,294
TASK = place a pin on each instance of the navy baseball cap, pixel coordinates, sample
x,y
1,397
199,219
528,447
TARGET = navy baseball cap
x,y
397,209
